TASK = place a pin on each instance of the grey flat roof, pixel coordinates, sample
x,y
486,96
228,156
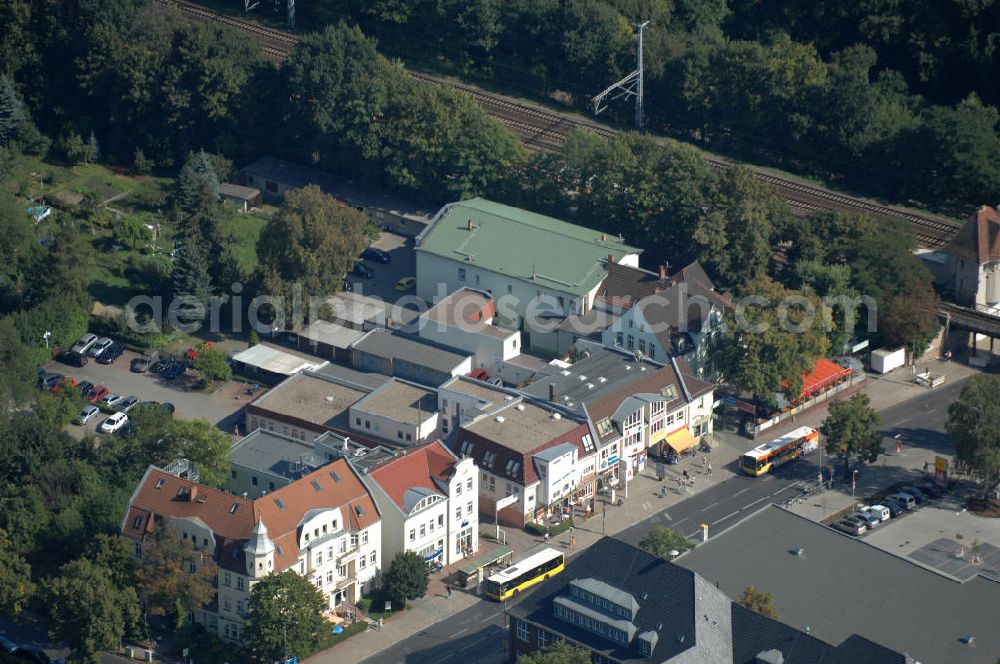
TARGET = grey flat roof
x,y
617,369
349,375
267,451
238,191
383,343
555,451
315,398
521,429
842,586
401,401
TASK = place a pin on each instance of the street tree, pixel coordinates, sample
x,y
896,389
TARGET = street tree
x,y
760,602
660,541
849,430
772,339
285,617
15,579
88,611
560,653
197,184
211,362
974,426
311,243
406,578
167,585
910,318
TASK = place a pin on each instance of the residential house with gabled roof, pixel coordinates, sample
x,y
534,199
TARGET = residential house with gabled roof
x,y
526,449
428,498
325,526
517,256
633,406
972,272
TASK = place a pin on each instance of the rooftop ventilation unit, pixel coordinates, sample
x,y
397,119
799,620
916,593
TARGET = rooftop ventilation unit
x,y
520,407
798,552
581,377
500,419
556,416
590,386
329,398
602,379
628,367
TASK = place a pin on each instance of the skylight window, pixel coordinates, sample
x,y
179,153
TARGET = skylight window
x,y
281,505
334,475
159,483
359,510
232,510
316,485
281,552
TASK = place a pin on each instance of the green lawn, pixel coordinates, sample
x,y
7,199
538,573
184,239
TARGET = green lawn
x,y
245,230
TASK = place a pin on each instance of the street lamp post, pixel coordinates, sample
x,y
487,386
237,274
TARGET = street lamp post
x,y
46,337
854,481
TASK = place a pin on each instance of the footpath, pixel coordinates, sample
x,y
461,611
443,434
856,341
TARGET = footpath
x,y
642,502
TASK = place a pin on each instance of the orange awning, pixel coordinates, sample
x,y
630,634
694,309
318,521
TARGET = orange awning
x,y
823,374
681,440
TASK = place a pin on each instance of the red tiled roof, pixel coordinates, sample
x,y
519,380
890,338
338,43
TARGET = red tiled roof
x,y
979,239
232,528
418,468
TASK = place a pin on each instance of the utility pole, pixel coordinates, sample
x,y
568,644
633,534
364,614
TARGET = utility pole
x,y
630,86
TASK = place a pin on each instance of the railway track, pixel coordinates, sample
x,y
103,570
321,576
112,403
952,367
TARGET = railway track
x,y
545,130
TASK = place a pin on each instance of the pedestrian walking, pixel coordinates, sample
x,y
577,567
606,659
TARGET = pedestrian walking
x,y
546,535
448,588
686,476
709,469
572,541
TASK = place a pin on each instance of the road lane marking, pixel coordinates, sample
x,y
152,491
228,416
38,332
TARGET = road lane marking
x,y
708,507
725,517
741,491
459,632
680,522
768,478
755,502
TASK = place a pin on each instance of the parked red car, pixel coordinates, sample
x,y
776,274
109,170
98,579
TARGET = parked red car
x,y
95,393
479,374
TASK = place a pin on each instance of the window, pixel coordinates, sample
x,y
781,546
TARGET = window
x,y
619,338
138,549
362,562
468,508
493,483
399,434
461,274
192,567
631,342
522,630
357,421
329,577
562,302
319,558
477,279
364,537
423,530
343,546
239,608
239,582
543,639
342,571
227,579
226,606
458,489
440,519
368,424
631,323
413,534
642,345
652,351
430,525
354,540
408,437
510,489
232,474
468,484
371,558
510,289
458,512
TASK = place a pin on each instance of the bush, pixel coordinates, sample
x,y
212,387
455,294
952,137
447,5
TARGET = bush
x,y
559,528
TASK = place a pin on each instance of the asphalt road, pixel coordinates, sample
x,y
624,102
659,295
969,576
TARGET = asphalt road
x,y
476,635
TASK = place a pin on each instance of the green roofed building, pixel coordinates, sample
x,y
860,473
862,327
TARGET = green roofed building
x,y
528,262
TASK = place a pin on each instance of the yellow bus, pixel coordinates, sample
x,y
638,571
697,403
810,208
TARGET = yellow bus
x,y
525,573
792,445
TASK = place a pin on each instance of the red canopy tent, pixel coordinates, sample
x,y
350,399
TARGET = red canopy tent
x,y
823,374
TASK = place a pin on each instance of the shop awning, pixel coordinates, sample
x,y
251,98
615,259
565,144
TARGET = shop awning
x,y
434,556
681,440
824,374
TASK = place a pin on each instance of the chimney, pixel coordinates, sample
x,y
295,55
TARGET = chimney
x,y
469,227
663,274
193,494
388,322
604,237
552,392
611,259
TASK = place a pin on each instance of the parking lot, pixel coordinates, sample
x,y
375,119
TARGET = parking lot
x,y
218,408
930,535
383,284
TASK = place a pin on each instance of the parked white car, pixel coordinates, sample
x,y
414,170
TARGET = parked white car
x,y
880,512
111,399
86,415
113,423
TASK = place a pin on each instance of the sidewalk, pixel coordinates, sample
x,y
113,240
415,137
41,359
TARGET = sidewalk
x,y
642,502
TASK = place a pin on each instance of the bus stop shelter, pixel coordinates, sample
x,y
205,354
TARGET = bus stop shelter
x,y
474,568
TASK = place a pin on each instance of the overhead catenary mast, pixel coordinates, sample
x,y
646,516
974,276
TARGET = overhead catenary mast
x,y
630,86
